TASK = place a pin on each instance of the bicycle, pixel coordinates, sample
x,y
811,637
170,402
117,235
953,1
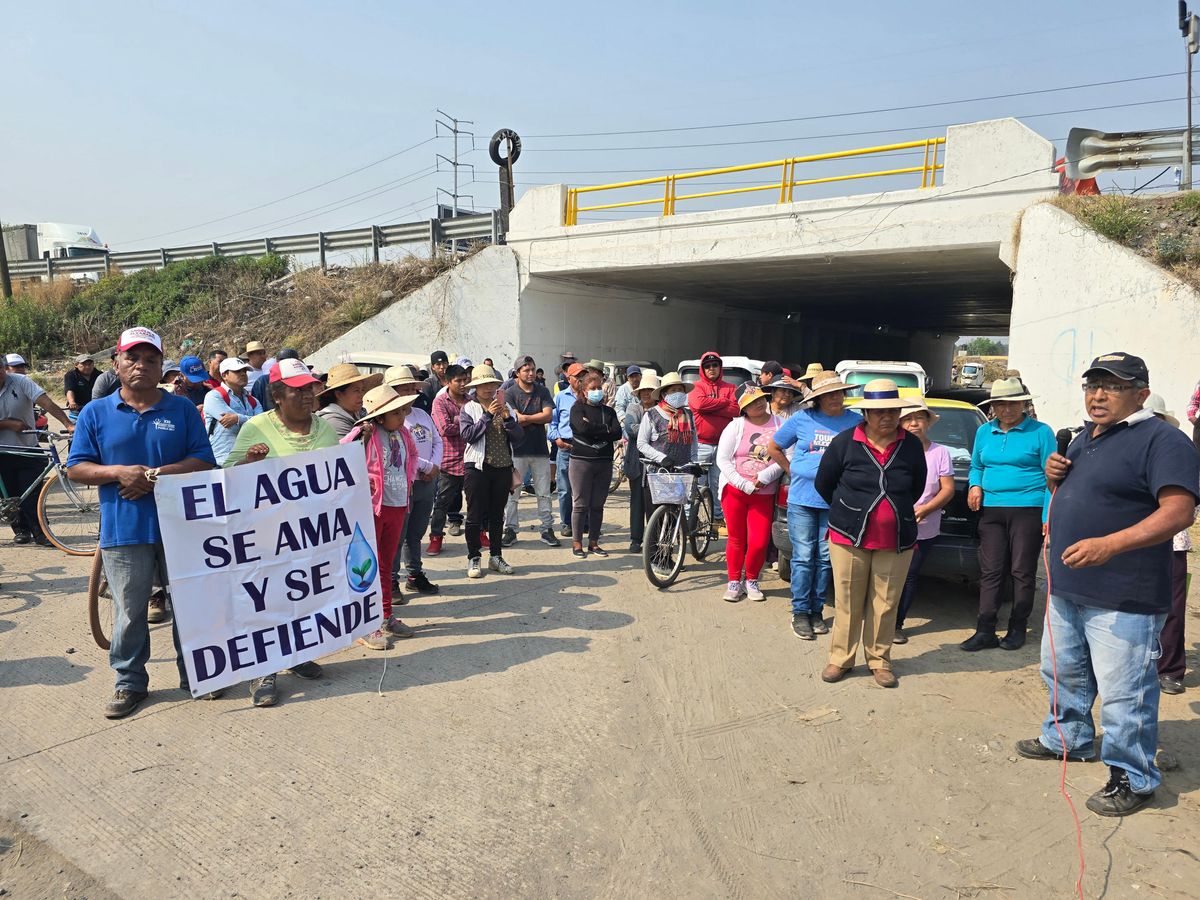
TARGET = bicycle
x,y
68,513
664,546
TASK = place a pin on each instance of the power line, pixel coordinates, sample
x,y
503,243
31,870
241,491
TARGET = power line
x,y
287,197
813,137
862,112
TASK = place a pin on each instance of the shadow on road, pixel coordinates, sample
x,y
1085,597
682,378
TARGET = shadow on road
x,y
42,670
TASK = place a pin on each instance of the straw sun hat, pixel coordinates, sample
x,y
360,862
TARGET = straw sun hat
x,y
347,373
481,375
828,382
649,381
1007,389
749,396
671,379
882,393
383,399
916,405
813,370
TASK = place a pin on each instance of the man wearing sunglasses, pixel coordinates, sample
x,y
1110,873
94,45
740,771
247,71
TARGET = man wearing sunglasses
x,y
1127,484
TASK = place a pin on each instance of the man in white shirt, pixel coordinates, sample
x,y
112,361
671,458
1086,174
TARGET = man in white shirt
x,y
18,395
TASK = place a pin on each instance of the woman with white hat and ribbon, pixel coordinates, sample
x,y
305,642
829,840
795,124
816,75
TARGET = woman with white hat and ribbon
x,y
1008,489
871,476
342,398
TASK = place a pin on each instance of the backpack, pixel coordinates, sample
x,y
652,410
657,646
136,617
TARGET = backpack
x,y
223,392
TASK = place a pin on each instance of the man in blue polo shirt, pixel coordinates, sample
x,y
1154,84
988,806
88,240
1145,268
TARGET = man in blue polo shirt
x,y
123,443
1125,487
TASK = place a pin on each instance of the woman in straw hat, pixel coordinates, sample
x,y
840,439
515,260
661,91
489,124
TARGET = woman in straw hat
x,y
787,396
748,484
871,476
594,431
430,451
1008,489
489,429
805,436
645,396
916,418
667,435
342,399
391,467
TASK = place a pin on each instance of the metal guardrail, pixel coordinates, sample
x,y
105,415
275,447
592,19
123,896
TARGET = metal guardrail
x,y
784,184
372,237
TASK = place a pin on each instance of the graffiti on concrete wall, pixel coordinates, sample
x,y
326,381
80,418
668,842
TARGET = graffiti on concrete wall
x,y
1074,348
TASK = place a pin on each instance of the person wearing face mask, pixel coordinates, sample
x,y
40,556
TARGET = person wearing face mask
x,y
594,430
667,435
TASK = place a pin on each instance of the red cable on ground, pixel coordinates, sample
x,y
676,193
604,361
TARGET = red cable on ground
x,y
1062,741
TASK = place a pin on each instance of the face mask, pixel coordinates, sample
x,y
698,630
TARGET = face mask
x,y
595,396
678,400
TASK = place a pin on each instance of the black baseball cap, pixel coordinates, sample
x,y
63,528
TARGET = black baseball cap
x,y
1124,365
771,367
438,356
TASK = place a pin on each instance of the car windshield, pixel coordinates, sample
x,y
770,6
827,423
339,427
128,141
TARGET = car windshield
x,y
955,431
902,379
730,375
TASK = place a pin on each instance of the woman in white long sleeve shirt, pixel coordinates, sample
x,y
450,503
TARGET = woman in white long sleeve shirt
x,y
748,484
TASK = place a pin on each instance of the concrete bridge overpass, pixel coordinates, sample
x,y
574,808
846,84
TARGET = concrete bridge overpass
x,y
894,274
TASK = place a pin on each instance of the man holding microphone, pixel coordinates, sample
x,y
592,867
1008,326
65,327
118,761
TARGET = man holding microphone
x,y
1126,485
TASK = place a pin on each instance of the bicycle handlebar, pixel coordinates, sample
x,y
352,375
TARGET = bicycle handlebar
x,y
47,432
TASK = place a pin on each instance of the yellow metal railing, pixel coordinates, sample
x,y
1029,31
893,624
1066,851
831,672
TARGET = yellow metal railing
x,y
784,184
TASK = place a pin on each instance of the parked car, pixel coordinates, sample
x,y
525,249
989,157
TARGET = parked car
x,y
615,371
737,370
970,375
909,376
955,554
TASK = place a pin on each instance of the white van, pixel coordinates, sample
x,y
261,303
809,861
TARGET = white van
x,y
971,375
909,376
737,370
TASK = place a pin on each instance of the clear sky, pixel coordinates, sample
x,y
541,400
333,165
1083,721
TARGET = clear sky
x,y
146,120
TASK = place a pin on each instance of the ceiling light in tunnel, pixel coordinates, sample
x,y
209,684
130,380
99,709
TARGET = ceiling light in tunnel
x,y
882,329
660,300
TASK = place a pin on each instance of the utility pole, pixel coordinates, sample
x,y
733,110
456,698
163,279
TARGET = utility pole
x,y
5,281
1189,27
451,125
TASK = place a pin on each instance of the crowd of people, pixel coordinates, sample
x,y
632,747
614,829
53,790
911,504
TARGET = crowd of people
x,y
452,448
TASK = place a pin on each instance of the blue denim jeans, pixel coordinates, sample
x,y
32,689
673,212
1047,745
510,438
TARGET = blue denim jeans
x,y
811,572
707,453
1114,654
133,572
563,464
420,510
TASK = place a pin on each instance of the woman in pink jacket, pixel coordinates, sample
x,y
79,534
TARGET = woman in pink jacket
x,y
391,468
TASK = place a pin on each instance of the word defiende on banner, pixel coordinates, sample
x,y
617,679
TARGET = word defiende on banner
x,y
295,636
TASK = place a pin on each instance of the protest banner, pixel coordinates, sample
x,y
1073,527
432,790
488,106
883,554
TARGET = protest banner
x,y
271,564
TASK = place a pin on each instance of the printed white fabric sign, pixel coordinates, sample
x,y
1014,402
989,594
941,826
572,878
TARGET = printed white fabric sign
x,y
271,564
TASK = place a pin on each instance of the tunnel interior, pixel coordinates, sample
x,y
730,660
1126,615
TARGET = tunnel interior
x,y
910,306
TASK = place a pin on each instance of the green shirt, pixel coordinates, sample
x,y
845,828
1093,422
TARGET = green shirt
x,y
269,429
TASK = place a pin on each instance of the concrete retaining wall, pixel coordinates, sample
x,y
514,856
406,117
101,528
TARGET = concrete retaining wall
x,y
1077,295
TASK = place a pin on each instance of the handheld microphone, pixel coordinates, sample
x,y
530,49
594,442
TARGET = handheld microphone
x,y
1064,440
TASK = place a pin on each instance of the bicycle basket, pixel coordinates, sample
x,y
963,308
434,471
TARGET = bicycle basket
x,y
669,487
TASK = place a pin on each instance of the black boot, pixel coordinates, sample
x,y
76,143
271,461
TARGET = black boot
x,y
980,640
1015,638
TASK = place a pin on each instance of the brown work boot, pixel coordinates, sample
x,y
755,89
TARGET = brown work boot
x,y
157,610
885,678
833,673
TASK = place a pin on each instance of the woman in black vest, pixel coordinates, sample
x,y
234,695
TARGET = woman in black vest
x,y
871,476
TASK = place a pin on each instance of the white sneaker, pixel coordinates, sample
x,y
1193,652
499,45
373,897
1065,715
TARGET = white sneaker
x,y
775,566
497,564
733,593
475,569
753,592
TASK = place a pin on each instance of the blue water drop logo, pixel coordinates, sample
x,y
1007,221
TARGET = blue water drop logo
x,y
361,564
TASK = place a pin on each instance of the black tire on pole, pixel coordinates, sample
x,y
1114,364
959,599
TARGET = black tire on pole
x,y
663,547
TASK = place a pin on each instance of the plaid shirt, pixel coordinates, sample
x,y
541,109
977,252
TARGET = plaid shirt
x,y
445,417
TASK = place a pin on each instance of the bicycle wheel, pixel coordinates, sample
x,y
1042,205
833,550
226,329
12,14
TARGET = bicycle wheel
x,y
100,604
702,528
618,472
662,549
69,514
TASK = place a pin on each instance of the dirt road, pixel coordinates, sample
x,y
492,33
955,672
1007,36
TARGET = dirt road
x,y
566,732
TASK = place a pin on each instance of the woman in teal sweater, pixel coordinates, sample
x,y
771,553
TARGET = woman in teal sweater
x,y
1008,483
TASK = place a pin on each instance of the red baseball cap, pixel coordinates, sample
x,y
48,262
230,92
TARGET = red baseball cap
x,y
131,337
294,373
575,369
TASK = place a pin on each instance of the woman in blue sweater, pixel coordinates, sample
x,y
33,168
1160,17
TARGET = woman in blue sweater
x,y
1008,483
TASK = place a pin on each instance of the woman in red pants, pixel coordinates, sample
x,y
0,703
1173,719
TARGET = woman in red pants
x,y
748,485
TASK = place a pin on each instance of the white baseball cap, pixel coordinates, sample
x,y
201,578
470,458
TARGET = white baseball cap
x,y
233,364
131,337
15,359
